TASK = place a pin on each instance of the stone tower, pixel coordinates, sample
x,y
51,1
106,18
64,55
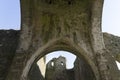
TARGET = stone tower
x,y
71,25
56,69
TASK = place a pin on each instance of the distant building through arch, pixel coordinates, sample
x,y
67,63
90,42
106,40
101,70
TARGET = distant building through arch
x,y
69,25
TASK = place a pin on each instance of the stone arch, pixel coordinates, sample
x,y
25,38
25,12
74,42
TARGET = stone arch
x,y
55,45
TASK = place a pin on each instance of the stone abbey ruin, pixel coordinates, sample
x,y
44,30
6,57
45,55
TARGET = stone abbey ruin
x,y
52,25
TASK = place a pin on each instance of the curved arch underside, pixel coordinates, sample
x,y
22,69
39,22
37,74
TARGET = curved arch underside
x,y
73,25
56,68
56,45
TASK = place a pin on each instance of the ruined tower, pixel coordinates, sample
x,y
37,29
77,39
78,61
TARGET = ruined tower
x,y
71,25
56,69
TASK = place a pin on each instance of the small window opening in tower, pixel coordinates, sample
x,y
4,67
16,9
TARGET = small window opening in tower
x,y
118,64
62,63
10,17
52,63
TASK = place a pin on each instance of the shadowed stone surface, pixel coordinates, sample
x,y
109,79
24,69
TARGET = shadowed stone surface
x,y
35,73
82,70
113,45
8,45
71,25
9,42
56,69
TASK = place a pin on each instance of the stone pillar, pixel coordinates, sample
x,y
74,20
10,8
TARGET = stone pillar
x,y
97,40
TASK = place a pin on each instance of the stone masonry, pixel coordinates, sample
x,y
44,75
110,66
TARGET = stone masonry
x,y
56,69
51,25
11,37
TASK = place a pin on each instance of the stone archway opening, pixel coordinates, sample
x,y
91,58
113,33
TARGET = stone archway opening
x,y
61,65
70,58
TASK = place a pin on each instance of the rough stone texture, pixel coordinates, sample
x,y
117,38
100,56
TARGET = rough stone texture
x,y
70,74
71,25
69,22
82,70
8,45
113,47
112,43
56,69
9,41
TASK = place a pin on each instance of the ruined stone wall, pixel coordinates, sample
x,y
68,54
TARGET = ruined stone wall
x,y
48,25
9,41
70,74
73,25
112,43
8,45
82,70
56,69
35,73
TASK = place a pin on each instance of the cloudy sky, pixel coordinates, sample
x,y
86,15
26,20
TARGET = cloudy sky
x,y
10,16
